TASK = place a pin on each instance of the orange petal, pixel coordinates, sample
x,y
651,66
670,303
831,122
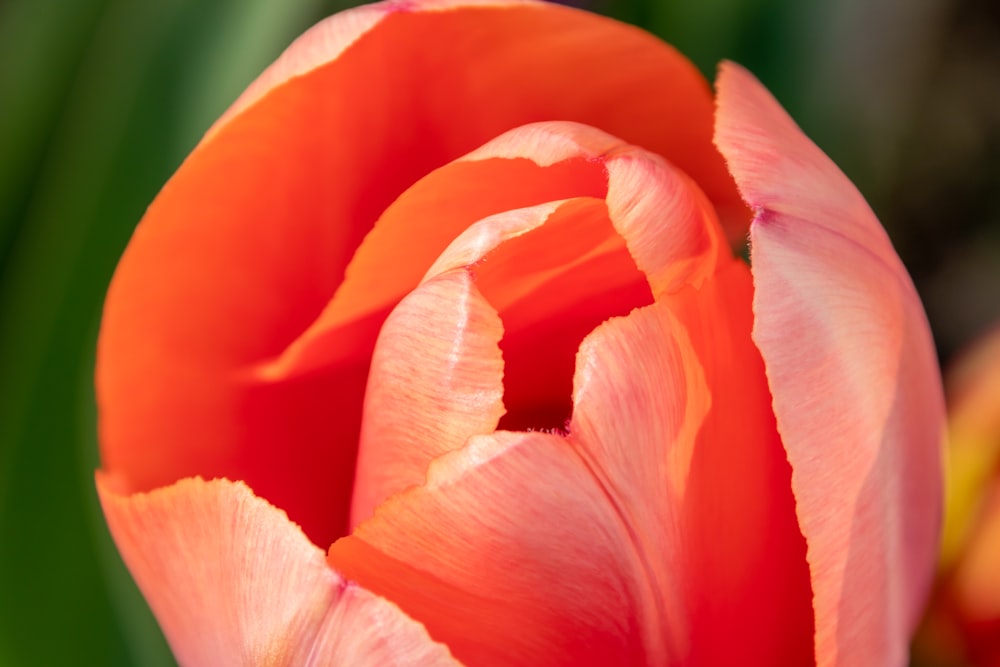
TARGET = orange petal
x,y
232,581
674,119
247,243
416,228
856,387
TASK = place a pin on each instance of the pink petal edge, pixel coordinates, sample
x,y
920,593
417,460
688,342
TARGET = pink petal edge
x,y
232,581
436,380
854,378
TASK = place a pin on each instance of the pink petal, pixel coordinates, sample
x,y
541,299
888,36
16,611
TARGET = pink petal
x,y
507,566
232,581
670,227
683,438
648,540
436,380
854,377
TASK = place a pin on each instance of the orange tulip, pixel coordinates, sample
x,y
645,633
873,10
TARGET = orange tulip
x,y
448,291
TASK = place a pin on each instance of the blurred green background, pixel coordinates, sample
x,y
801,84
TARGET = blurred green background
x,y
100,100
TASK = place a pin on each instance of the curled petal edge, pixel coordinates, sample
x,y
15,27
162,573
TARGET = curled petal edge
x,y
232,580
853,375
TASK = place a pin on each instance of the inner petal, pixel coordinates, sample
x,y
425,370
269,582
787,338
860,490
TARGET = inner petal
x,y
510,555
552,286
662,526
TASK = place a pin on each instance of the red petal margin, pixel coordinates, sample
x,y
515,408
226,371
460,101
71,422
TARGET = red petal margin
x,y
851,366
233,582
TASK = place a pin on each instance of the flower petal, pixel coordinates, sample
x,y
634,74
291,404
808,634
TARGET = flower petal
x,y
436,380
855,381
649,534
680,129
649,459
554,272
686,446
413,231
552,287
505,567
670,228
247,243
232,581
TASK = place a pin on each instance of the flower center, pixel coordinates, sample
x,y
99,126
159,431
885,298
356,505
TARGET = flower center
x,y
552,286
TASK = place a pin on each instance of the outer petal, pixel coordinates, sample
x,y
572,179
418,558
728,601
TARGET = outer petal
x,y
246,245
684,98
233,582
855,382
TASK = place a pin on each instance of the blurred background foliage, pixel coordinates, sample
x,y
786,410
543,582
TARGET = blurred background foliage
x,y
100,100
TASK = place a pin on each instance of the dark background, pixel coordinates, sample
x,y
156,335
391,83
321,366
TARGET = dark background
x,y
101,99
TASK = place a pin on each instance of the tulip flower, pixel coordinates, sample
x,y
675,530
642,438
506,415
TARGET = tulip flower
x,y
436,351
